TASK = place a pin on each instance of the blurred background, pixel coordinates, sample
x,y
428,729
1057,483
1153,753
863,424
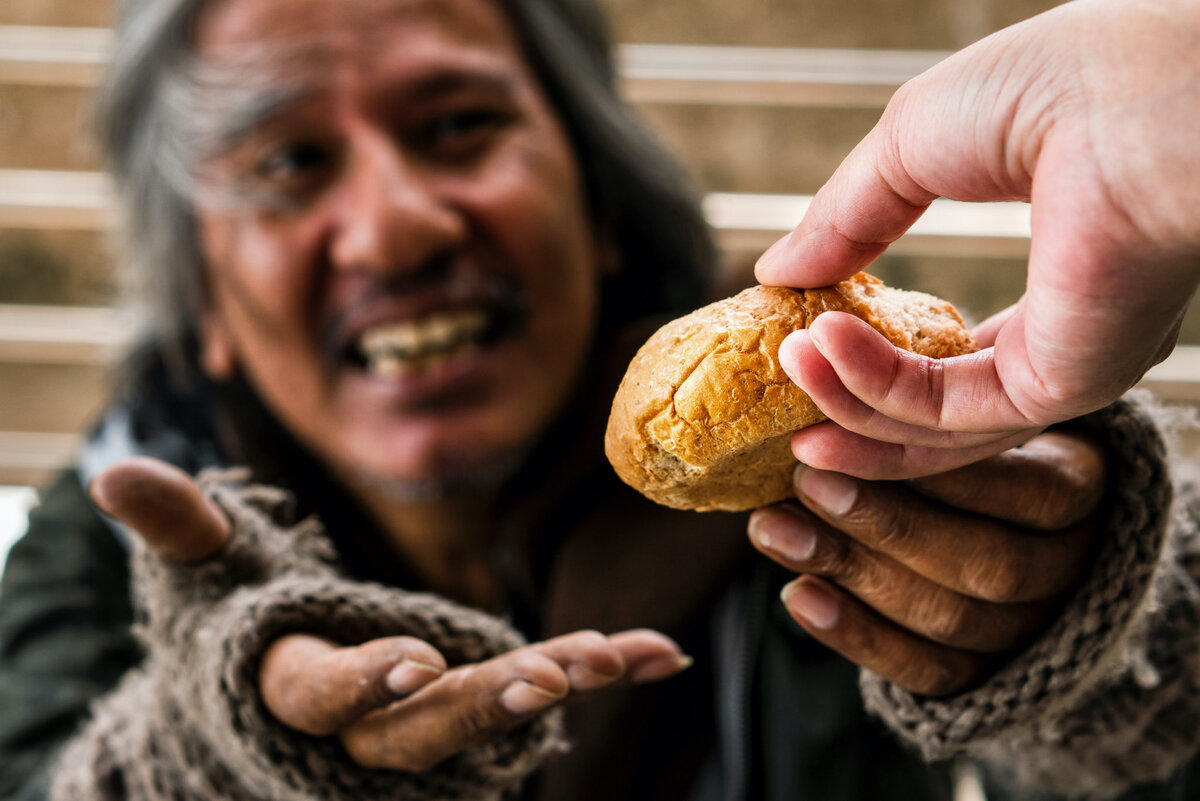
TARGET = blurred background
x,y
760,98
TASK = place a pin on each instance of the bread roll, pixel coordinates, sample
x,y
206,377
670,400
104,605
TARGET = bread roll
x,y
703,417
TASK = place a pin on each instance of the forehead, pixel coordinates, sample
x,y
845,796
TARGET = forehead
x,y
323,34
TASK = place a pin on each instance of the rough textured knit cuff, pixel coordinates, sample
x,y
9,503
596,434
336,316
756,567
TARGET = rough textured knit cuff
x,y
191,724
1082,646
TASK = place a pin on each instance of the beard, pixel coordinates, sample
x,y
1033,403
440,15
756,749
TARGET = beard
x,y
455,474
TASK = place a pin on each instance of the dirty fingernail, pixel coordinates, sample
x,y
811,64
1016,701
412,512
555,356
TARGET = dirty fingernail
x,y
784,534
661,668
833,492
583,677
812,603
522,697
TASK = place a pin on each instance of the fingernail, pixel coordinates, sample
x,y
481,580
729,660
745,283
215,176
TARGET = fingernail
x,y
787,350
410,676
812,603
784,534
833,492
583,677
522,697
661,668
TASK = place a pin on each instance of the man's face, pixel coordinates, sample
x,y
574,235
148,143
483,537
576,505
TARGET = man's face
x,y
398,251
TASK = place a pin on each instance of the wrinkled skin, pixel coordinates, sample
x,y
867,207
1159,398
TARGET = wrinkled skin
x,y
933,583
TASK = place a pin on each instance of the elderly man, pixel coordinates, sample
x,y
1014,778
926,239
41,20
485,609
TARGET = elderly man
x,y
400,251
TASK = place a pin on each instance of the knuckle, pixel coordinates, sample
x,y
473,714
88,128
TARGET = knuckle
x,y
894,525
1068,496
934,374
590,640
479,710
302,707
477,720
364,749
999,580
830,563
839,559
948,623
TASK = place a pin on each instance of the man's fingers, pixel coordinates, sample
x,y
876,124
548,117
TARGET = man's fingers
x,y
318,687
828,446
1052,481
649,655
473,703
164,506
846,625
868,203
466,706
802,543
587,658
977,556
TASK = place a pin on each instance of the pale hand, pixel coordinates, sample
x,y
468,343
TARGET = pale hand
x,y
1087,111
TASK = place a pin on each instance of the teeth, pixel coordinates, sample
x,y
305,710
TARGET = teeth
x,y
401,348
389,366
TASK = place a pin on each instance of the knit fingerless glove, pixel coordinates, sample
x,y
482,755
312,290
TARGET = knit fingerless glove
x,y
1073,711
190,724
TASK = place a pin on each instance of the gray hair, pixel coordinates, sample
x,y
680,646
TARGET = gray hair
x,y
639,199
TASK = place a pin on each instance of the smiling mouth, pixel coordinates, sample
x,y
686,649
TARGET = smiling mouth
x,y
411,346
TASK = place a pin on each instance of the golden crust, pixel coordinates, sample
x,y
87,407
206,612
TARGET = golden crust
x,y
703,417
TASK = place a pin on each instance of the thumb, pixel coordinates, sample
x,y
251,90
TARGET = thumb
x,y
865,206
164,506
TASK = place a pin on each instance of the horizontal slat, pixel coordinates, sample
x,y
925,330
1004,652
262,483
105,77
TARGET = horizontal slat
x,y
55,199
63,334
650,73
1178,377
82,200
751,222
31,458
49,56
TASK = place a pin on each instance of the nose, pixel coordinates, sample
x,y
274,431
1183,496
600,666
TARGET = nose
x,y
391,216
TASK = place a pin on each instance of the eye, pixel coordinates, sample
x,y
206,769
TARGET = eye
x,y
460,135
294,161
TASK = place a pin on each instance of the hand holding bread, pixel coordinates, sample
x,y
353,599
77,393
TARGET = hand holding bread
x,y
1089,116
704,415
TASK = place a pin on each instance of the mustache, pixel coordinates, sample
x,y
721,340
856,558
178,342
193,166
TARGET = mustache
x,y
501,296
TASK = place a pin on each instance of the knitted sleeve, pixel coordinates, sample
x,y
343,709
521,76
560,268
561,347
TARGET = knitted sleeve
x,y
1107,697
190,723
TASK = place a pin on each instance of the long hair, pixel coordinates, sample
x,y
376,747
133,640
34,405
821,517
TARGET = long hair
x,y
640,201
